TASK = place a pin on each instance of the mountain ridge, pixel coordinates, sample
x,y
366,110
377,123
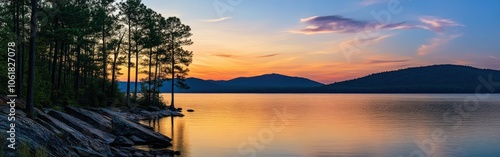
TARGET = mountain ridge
x,y
441,78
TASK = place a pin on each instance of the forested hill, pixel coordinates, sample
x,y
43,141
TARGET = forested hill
x,y
268,83
427,79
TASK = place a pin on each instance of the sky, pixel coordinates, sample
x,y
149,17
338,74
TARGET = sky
x,y
334,40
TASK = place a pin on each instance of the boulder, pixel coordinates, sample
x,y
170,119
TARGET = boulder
x,y
76,138
97,120
122,141
82,126
124,127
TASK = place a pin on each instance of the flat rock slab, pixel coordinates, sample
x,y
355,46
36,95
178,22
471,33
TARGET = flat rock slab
x,y
76,138
95,119
82,126
36,136
124,127
122,141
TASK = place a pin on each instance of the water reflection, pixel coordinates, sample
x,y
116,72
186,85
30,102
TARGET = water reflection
x,y
175,130
335,125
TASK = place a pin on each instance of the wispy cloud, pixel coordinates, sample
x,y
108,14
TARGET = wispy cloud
x,y
362,42
437,24
217,20
224,55
269,55
353,43
370,2
436,42
339,24
375,61
493,57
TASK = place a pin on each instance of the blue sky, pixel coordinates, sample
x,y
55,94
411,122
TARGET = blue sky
x,y
335,40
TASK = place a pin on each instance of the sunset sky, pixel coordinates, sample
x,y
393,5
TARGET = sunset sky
x,y
334,40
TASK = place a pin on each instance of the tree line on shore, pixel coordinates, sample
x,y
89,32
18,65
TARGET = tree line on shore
x,y
76,49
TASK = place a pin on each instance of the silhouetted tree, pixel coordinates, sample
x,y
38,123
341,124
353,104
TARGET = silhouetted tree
x,y
31,62
177,35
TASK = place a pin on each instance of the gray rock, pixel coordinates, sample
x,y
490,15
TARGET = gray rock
x,y
167,113
48,126
122,141
82,126
36,136
111,113
136,139
97,120
127,128
163,153
76,138
153,108
120,153
86,152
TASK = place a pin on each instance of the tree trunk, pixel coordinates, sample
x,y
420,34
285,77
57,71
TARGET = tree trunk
x,y
113,74
77,69
128,73
149,75
31,70
21,74
54,63
104,59
157,89
18,44
172,107
136,70
59,73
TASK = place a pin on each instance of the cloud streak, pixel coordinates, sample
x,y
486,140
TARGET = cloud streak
x,y
387,61
269,55
436,42
362,42
217,20
224,55
339,24
437,24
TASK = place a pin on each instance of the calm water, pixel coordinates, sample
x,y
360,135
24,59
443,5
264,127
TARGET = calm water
x,y
323,125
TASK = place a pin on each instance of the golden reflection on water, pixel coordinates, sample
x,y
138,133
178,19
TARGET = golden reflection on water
x,y
322,124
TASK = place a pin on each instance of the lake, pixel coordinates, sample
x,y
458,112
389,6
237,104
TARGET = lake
x,y
324,125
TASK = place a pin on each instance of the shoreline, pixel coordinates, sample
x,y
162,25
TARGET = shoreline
x,y
74,131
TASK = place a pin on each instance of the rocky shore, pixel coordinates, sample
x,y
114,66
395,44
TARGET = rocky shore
x,y
72,132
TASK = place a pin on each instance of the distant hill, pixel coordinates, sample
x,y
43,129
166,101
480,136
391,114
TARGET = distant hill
x,y
427,79
258,84
269,81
